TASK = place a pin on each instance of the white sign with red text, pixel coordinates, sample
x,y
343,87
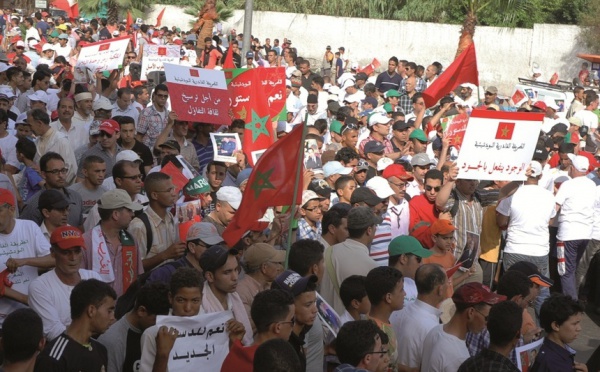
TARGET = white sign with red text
x,y
155,56
102,56
198,94
498,145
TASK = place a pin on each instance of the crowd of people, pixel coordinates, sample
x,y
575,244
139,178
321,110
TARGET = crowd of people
x,y
395,262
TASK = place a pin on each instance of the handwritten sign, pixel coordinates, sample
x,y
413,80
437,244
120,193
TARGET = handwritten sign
x,y
198,94
155,56
498,145
202,344
456,128
104,55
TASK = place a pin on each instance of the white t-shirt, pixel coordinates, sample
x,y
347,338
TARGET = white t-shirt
x,y
588,118
576,197
49,297
596,206
443,352
25,241
528,227
9,152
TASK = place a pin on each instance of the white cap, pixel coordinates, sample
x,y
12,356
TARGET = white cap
x,y
326,86
46,47
335,167
334,90
20,43
381,187
102,103
231,195
354,66
348,83
38,95
129,155
7,91
378,119
308,195
473,87
536,168
352,99
4,67
580,163
384,163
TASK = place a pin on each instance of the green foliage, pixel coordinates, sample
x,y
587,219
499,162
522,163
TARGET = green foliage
x,y
116,9
590,27
223,11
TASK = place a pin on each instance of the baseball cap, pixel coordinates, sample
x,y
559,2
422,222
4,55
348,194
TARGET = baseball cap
x,y
371,101
129,155
173,144
7,197
420,160
575,121
533,273
362,165
441,227
536,168
20,44
348,83
215,257
400,125
62,27
558,128
362,217
63,36
244,175
392,93
388,107
384,163
46,47
540,105
336,127
471,294
292,282
205,231
249,54
381,187
540,154
197,185
95,128
308,195
361,76
396,170
335,167
259,253
333,107
365,195
231,195
118,198
38,95
373,146
580,163
67,237
378,119
492,90
101,104
418,134
405,244
52,199
109,126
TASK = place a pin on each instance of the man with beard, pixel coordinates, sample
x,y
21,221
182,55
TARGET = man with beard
x,y
423,212
77,134
228,200
467,95
83,115
312,109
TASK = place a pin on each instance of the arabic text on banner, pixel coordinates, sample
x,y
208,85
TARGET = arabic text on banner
x,y
498,145
202,344
198,94
155,56
102,56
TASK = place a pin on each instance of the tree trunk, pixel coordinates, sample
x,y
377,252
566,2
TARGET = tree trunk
x,y
112,12
466,33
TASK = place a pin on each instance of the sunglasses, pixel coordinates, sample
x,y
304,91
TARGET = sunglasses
x,y
436,189
489,94
104,134
350,126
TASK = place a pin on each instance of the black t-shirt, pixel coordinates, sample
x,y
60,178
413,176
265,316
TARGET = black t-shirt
x,y
143,152
68,355
104,34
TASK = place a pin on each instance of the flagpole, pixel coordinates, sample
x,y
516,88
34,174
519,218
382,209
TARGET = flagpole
x,y
296,184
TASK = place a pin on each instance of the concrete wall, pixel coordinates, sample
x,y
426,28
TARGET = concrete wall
x,y
503,54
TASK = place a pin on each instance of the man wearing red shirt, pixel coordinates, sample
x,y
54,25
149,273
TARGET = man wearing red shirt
x,y
423,212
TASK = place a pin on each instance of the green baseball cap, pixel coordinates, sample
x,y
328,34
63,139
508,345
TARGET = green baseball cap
x,y
196,186
54,33
388,107
392,93
418,134
336,127
407,244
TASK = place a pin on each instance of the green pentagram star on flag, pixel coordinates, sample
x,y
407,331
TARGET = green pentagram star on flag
x,y
258,126
262,182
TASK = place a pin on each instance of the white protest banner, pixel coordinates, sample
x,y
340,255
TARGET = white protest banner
x,y
198,94
156,55
498,145
102,56
202,344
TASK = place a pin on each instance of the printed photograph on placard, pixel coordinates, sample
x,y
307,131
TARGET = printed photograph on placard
x,y
224,146
256,155
312,155
526,355
188,211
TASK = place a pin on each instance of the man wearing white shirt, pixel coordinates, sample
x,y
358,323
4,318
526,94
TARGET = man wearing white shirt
x,y
587,116
63,48
575,213
414,322
123,106
77,134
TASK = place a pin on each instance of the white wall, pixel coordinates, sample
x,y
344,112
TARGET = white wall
x,y
503,54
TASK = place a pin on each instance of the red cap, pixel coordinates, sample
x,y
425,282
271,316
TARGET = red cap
x,y
109,126
44,14
177,42
472,294
396,170
67,237
7,197
442,227
541,105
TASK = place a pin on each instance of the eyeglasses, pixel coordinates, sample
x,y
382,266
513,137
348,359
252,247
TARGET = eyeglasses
x,y
163,96
350,126
57,171
423,142
485,317
313,208
290,322
133,178
436,189
382,352
104,134
398,185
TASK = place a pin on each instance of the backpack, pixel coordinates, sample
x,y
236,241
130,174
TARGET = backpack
x,y
144,217
454,195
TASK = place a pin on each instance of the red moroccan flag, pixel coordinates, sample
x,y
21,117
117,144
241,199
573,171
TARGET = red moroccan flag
x,y
271,183
159,18
228,63
129,20
462,70
74,11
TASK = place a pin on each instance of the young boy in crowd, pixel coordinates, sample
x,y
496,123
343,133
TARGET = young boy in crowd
x,y
309,226
31,181
355,299
344,187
